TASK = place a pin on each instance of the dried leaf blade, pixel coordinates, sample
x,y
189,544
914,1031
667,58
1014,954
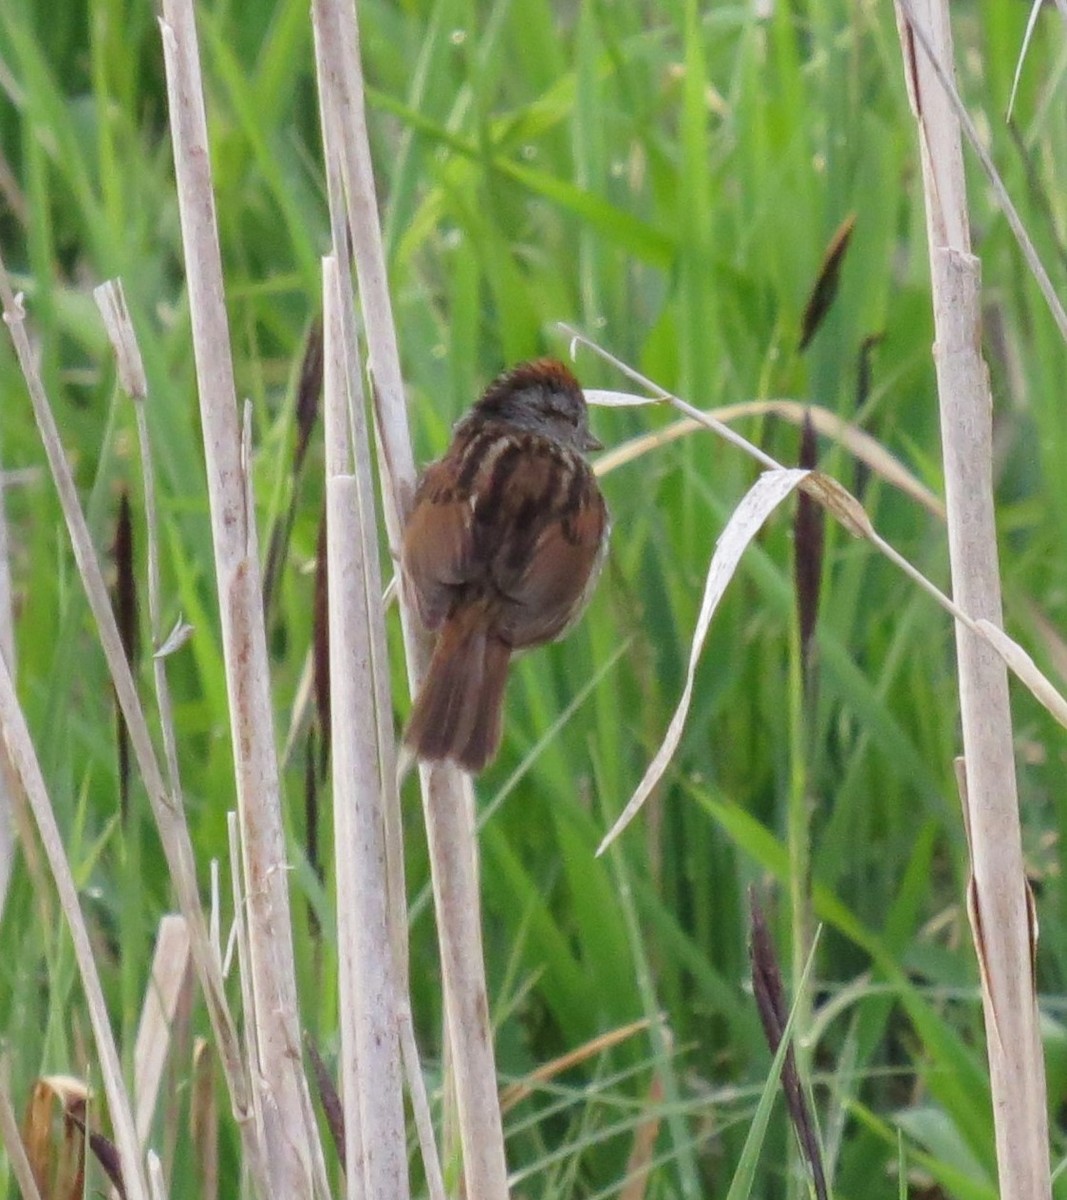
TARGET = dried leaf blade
x,y
759,502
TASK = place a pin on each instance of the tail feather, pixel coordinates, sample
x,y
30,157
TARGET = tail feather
x,y
457,713
483,740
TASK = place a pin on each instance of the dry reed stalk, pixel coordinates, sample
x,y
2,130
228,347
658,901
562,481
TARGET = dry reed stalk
x,y
333,108
244,971
7,652
290,1135
375,1143
24,759
447,794
155,1177
166,808
999,902
111,301
168,993
420,1105
204,1120
169,818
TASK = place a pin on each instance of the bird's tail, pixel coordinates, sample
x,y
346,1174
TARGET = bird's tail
x,y
457,713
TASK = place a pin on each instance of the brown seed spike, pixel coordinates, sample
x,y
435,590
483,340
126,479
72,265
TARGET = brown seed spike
x,y
825,289
308,393
125,603
770,997
106,1152
329,1097
312,766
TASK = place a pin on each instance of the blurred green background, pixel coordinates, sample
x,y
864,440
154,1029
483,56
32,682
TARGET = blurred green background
x,y
666,178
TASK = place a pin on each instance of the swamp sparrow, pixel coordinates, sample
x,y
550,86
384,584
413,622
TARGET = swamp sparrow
x,y
501,551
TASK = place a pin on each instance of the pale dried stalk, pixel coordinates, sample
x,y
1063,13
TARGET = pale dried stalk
x,y
170,819
155,1176
168,808
371,1077
446,792
945,74
244,971
331,115
343,363
294,1152
16,822
24,759
341,97
1004,937
111,301
169,986
420,1106
7,653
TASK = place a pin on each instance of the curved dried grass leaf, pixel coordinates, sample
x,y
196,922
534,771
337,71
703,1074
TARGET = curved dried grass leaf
x,y
111,301
759,502
177,638
1025,669
56,1158
837,499
1053,642
608,399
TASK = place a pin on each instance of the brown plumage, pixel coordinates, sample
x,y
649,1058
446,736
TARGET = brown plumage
x,y
501,551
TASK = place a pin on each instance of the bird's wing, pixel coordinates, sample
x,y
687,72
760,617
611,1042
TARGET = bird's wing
x,y
546,568
437,553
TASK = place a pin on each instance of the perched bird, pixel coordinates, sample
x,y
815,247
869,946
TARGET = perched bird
x,y
501,551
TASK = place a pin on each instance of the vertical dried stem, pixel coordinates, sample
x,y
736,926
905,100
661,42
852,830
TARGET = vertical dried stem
x,y
447,794
169,816
7,652
364,474
374,1126
168,993
166,809
998,901
14,732
111,301
169,808
290,1136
